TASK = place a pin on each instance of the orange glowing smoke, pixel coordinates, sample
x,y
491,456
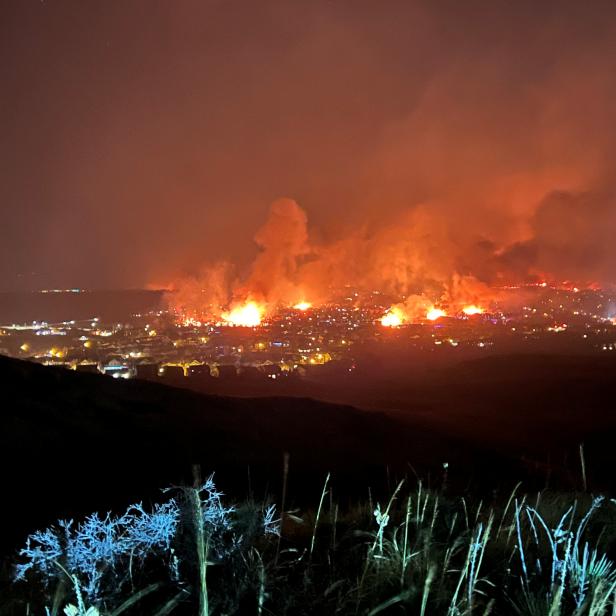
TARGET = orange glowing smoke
x,y
472,310
435,313
302,306
394,317
249,314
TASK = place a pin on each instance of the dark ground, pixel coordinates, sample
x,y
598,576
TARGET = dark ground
x,y
73,443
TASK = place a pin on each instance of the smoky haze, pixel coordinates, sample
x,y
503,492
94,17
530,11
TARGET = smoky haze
x,y
144,143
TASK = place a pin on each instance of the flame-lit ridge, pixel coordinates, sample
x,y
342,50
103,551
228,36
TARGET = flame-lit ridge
x,y
435,313
394,317
249,314
302,306
472,310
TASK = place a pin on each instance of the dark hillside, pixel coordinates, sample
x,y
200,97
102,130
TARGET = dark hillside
x,y
78,442
74,442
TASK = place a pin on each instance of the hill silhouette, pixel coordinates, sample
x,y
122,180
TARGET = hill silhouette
x,y
73,442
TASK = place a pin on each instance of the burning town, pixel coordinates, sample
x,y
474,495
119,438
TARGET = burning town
x,y
308,308
277,323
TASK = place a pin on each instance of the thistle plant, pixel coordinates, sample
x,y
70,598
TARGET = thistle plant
x,y
98,550
101,555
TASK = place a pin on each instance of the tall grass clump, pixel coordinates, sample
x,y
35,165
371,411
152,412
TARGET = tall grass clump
x,y
562,572
419,552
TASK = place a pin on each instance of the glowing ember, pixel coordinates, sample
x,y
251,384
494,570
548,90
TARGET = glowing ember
x,y
471,310
246,315
435,313
302,306
394,317
191,322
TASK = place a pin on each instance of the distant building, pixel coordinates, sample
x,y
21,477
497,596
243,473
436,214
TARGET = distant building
x,y
117,369
171,372
199,371
250,373
227,372
147,372
89,368
271,371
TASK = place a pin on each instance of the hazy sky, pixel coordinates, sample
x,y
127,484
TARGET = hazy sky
x,y
143,139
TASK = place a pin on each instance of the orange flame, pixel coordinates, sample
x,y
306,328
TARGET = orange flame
x,y
302,306
435,313
249,314
472,310
394,317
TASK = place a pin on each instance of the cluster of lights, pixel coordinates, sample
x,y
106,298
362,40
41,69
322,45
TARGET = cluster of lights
x,y
302,333
191,322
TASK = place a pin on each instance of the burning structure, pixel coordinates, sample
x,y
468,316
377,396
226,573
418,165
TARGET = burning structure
x,y
291,271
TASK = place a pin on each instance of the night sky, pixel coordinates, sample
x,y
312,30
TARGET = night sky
x,y
142,140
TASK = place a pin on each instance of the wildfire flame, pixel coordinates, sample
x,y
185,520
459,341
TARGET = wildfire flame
x,y
394,317
302,306
249,314
471,310
435,313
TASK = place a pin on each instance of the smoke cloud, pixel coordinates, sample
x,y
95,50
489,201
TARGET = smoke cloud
x,y
419,257
282,240
436,148
572,235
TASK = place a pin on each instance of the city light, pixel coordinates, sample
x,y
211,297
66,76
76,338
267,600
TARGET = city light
x,y
334,333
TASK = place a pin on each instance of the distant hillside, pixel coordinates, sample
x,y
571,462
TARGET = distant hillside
x,y
24,307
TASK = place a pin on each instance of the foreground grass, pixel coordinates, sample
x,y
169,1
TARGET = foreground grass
x,y
420,552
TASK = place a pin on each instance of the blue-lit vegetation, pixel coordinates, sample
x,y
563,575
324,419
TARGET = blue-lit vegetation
x,y
420,552
109,564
